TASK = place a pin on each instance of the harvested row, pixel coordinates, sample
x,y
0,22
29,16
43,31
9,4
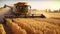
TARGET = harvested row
x,y
32,26
2,31
15,28
51,24
45,27
26,26
49,20
30,22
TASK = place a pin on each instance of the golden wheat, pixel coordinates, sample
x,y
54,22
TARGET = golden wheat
x,y
33,26
2,31
15,28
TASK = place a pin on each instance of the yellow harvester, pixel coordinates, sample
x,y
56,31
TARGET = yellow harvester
x,y
20,9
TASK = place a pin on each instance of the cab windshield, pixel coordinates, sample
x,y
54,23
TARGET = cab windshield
x,y
24,8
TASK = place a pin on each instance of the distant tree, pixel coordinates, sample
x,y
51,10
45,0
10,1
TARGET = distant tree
x,y
49,10
55,11
59,10
46,10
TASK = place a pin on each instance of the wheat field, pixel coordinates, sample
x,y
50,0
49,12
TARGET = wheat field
x,y
2,31
33,26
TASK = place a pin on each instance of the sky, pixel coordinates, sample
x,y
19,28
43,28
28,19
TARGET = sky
x,y
35,4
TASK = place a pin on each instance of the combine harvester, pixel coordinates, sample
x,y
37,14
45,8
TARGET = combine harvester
x,y
21,9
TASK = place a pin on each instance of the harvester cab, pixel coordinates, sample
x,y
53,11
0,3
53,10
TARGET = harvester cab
x,y
22,9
